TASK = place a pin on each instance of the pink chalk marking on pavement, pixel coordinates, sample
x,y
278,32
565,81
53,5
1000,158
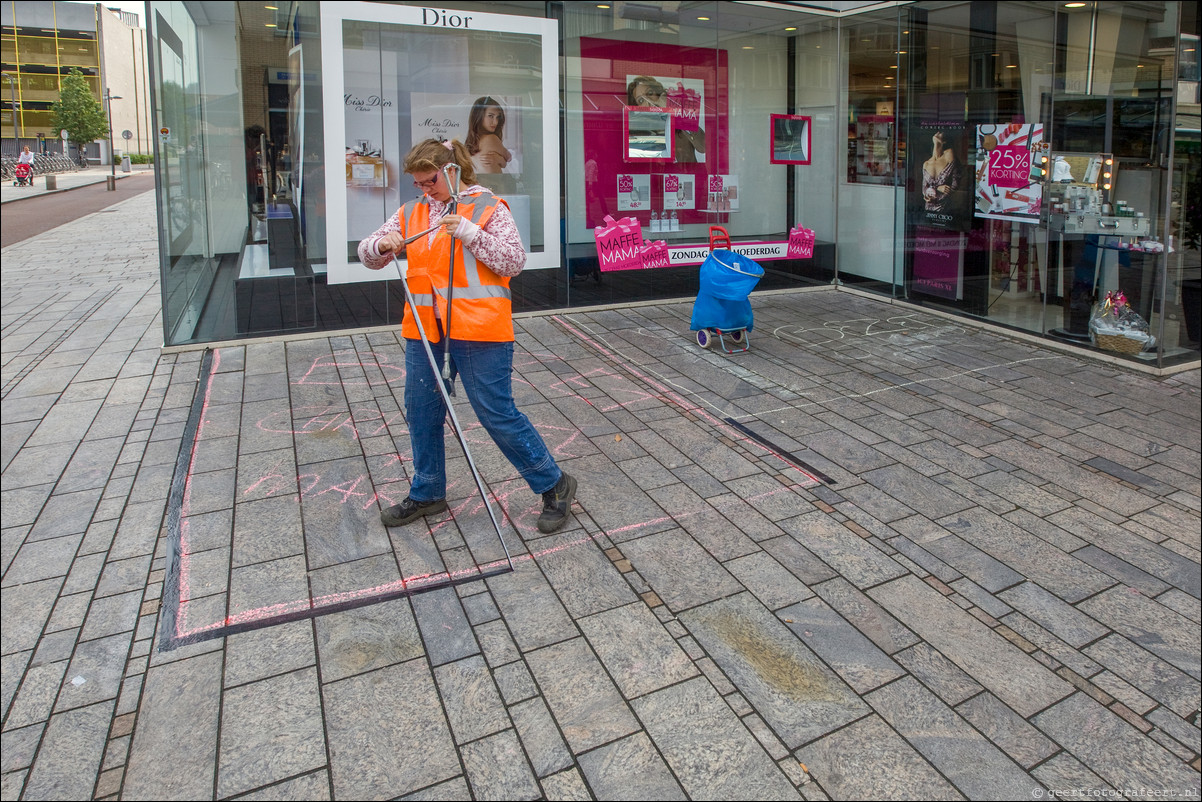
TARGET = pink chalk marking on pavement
x,y
330,418
185,504
412,582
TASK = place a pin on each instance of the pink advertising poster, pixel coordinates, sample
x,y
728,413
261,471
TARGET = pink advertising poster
x,y
938,262
690,84
1008,175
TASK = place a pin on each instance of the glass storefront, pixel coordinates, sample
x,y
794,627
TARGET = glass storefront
x,y
1013,162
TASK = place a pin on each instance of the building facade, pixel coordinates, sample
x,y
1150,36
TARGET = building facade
x,y
42,42
1015,163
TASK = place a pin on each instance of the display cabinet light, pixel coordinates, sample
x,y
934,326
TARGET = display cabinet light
x,y
703,19
791,28
1075,5
1106,187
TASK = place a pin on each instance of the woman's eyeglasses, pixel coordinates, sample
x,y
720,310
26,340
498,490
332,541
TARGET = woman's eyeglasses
x,y
433,182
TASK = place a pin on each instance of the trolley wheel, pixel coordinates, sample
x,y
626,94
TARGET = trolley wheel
x,y
704,338
738,336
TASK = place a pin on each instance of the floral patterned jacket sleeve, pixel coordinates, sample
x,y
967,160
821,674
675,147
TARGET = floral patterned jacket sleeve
x,y
498,244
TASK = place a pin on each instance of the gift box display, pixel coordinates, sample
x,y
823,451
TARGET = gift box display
x,y
655,254
801,243
620,244
685,106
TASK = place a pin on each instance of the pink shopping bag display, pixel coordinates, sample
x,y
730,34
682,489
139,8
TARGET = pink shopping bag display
x,y
685,105
655,254
801,243
619,244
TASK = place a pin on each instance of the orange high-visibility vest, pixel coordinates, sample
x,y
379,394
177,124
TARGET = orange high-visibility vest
x,y
482,301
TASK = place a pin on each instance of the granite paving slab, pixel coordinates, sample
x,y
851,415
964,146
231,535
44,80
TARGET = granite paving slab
x,y
1070,776
865,615
636,649
540,737
73,744
847,553
1115,750
782,678
852,655
1117,541
949,682
181,705
708,748
535,614
271,730
975,766
1158,629
361,714
682,573
771,583
1013,676
470,699
584,701
931,538
1038,560
584,579
869,760
497,769
1010,732
1062,619
630,769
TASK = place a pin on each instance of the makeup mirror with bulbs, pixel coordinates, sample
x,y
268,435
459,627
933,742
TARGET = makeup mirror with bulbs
x,y
1067,173
1082,169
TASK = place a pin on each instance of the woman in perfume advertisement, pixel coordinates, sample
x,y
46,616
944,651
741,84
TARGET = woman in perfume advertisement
x,y
941,174
486,135
944,184
649,92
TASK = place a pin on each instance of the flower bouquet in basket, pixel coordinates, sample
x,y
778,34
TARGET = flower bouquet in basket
x,y
1115,326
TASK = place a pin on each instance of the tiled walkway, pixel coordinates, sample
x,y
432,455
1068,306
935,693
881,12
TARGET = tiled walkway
x,y
947,564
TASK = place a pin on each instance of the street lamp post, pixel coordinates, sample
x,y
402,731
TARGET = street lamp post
x,y
109,97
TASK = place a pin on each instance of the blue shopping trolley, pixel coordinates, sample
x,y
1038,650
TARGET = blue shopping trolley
x,y
722,309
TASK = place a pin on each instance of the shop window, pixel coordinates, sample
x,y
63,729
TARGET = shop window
x,y
872,95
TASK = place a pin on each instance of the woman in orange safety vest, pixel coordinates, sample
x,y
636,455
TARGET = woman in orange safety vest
x,y
479,233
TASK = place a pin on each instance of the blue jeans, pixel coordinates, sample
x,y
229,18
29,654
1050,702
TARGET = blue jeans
x,y
485,373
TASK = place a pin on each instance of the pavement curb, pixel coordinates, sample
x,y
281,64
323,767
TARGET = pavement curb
x,y
46,192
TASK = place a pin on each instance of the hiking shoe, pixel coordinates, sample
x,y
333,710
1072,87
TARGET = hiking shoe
x,y
557,502
410,510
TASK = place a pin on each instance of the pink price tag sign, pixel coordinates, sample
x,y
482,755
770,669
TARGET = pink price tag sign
x,y
1010,166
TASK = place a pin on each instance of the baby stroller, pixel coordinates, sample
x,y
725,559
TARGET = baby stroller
x,y
22,175
722,308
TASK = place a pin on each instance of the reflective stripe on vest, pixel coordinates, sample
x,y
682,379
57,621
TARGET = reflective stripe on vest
x,y
479,306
